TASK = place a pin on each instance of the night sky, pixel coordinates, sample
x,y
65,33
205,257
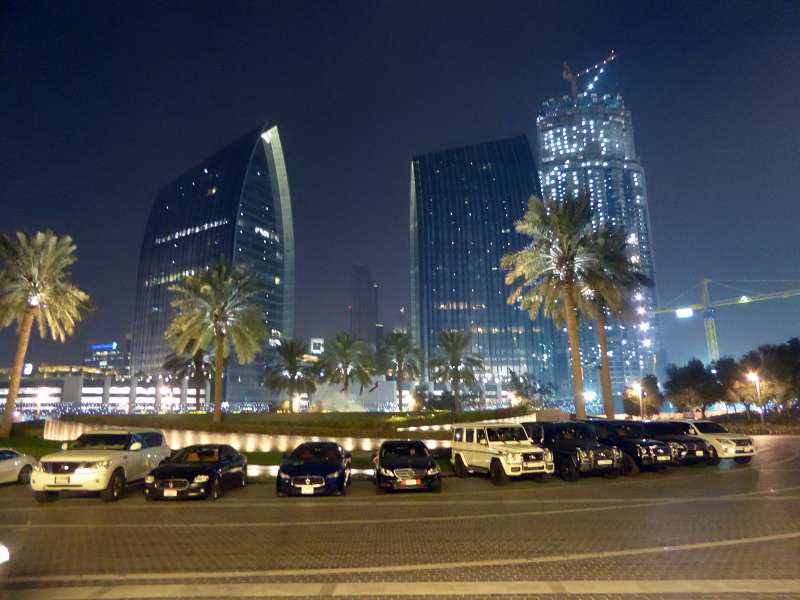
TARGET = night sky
x,y
103,103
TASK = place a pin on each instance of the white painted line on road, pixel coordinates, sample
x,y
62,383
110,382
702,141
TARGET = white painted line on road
x,y
443,566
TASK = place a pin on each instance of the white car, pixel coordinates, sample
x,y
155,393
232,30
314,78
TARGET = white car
x,y
503,450
722,443
99,461
15,466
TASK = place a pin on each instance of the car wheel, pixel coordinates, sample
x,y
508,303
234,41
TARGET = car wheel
x,y
568,470
497,473
459,468
215,493
629,466
279,493
45,497
115,487
713,457
243,482
24,476
343,489
743,460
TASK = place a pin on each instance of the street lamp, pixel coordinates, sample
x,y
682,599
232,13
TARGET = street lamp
x,y
753,376
637,388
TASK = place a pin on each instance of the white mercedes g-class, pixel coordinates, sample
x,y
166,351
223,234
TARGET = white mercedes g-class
x,y
99,461
503,450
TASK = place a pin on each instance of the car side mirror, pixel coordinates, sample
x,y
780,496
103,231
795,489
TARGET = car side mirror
x,y
135,446
64,445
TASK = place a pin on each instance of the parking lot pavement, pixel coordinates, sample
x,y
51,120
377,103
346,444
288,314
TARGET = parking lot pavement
x,y
731,531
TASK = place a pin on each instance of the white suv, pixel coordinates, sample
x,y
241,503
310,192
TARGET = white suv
x,y
723,443
99,461
503,450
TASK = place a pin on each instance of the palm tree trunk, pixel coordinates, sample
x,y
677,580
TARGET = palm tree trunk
x,y
16,371
605,371
399,378
197,387
575,350
456,397
218,368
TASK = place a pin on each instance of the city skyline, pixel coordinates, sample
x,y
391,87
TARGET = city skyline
x,y
355,151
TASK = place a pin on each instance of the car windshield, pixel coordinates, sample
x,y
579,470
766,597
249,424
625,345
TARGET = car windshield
x,y
403,450
306,452
197,455
101,441
667,428
506,434
709,427
629,430
578,431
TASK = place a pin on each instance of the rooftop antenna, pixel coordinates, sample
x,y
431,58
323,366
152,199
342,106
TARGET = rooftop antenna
x,y
597,68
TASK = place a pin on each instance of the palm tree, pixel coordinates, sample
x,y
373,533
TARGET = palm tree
x,y
217,308
197,368
551,272
346,360
35,286
287,373
610,284
455,364
399,354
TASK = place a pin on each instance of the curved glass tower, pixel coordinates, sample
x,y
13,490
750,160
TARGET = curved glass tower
x,y
233,207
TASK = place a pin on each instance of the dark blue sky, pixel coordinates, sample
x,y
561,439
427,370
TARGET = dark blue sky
x,y
104,102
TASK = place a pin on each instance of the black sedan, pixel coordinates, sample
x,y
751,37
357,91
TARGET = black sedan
x,y
686,448
201,471
406,466
314,469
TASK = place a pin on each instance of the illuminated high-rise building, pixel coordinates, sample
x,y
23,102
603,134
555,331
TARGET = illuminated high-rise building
x,y
585,145
233,207
464,203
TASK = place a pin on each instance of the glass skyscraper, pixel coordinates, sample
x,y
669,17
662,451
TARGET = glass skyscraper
x,y
464,203
586,144
233,207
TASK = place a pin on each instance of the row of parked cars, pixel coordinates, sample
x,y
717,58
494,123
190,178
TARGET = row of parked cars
x,y
106,461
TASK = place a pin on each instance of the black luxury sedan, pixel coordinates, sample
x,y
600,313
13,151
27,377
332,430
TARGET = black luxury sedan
x,y
314,469
406,466
639,451
201,471
686,449
575,448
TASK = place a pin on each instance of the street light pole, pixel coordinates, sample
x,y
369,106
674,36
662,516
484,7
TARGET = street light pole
x,y
753,376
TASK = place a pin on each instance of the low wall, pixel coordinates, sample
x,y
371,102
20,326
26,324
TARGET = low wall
x,y
247,442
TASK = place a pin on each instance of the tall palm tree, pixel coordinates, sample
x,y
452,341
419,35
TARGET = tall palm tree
x,y
610,284
197,368
399,354
346,360
35,286
550,272
287,373
217,308
455,364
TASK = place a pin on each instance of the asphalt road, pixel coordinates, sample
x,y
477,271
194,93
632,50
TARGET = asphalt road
x,y
731,531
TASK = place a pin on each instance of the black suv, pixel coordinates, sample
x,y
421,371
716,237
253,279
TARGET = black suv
x,y
575,448
638,450
686,449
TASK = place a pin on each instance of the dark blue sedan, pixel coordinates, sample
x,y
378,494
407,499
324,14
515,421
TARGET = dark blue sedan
x,y
314,469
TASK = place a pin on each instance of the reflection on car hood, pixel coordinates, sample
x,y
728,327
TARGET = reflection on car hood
x,y
728,436
582,444
184,470
83,455
683,439
311,467
515,446
411,462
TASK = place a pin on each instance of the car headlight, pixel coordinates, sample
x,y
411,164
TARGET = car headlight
x,y
90,467
434,470
583,456
201,479
727,443
548,455
283,475
334,474
38,467
386,472
514,458
149,479
617,452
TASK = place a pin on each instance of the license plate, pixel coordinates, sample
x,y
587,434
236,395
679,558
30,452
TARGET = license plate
x,y
663,458
62,480
534,465
307,490
170,493
410,481
698,453
604,461
747,449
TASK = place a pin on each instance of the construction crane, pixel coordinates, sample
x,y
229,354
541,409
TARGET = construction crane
x,y
706,307
573,77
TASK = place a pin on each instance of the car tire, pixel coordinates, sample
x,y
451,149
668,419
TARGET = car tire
x,y
497,474
459,468
215,493
713,457
45,497
279,493
115,488
24,476
629,466
243,482
743,460
568,471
